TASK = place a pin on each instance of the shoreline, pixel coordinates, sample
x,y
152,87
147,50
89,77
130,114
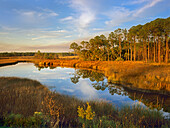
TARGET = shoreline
x,y
12,61
139,76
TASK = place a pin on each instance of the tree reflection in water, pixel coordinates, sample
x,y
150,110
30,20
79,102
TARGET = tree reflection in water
x,y
44,66
75,78
99,82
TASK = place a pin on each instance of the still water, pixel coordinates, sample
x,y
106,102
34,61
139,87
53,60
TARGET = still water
x,y
85,85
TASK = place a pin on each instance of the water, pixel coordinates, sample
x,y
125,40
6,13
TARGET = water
x,y
85,85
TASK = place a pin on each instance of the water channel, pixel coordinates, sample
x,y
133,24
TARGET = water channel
x,y
86,85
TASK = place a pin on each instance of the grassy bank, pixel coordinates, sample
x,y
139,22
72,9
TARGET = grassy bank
x,y
4,61
27,103
135,75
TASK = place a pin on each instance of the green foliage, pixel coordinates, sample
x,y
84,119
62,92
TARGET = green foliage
x,y
75,47
140,116
119,59
120,42
87,114
12,54
40,55
17,120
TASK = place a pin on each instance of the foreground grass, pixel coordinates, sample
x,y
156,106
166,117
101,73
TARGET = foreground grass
x,y
27,103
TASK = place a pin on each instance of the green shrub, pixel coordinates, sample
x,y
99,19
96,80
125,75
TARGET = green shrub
x,y
119,59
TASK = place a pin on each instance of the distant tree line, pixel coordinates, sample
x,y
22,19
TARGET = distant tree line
x,y
65,54
148,42
43,55
40,55
11,54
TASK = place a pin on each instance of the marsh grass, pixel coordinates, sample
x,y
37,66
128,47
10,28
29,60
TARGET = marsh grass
x,y
140,116
140,75
148,76
27,103
20,96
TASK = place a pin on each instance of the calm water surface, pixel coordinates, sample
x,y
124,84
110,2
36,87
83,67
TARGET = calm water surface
x,y
83,84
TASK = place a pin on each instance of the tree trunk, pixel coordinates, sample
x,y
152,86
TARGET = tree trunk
x,y
120,48
74,52
128,54
131,54
108,54
145,51
148,49
159,50
167,49
128,47
154,56
151,51
138,57
156,50
134,49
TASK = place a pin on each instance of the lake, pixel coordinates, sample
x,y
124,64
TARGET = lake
x,y
86,85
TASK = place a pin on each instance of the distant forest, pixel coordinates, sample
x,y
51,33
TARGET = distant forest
x,y
149,42
38,54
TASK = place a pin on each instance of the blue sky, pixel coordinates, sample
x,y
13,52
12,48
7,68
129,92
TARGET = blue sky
x,y
51,25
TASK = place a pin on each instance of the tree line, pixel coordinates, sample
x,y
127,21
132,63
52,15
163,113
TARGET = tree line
x,y
12,54
148,42
36,54
40,55
46,55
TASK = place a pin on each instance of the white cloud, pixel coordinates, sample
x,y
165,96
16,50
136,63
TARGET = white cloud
x,y
47,34
97,29
4,33
85,12
148,5
33,15
86,90
61,31
68,90
53,14
42,37
68,36
119,15
86,18
67,18
6,28
52,32
136,2
28,13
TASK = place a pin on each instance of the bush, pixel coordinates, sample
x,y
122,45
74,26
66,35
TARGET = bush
x,y
119,59
18,120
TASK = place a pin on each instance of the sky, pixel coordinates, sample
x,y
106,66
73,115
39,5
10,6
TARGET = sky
x,y
52,25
